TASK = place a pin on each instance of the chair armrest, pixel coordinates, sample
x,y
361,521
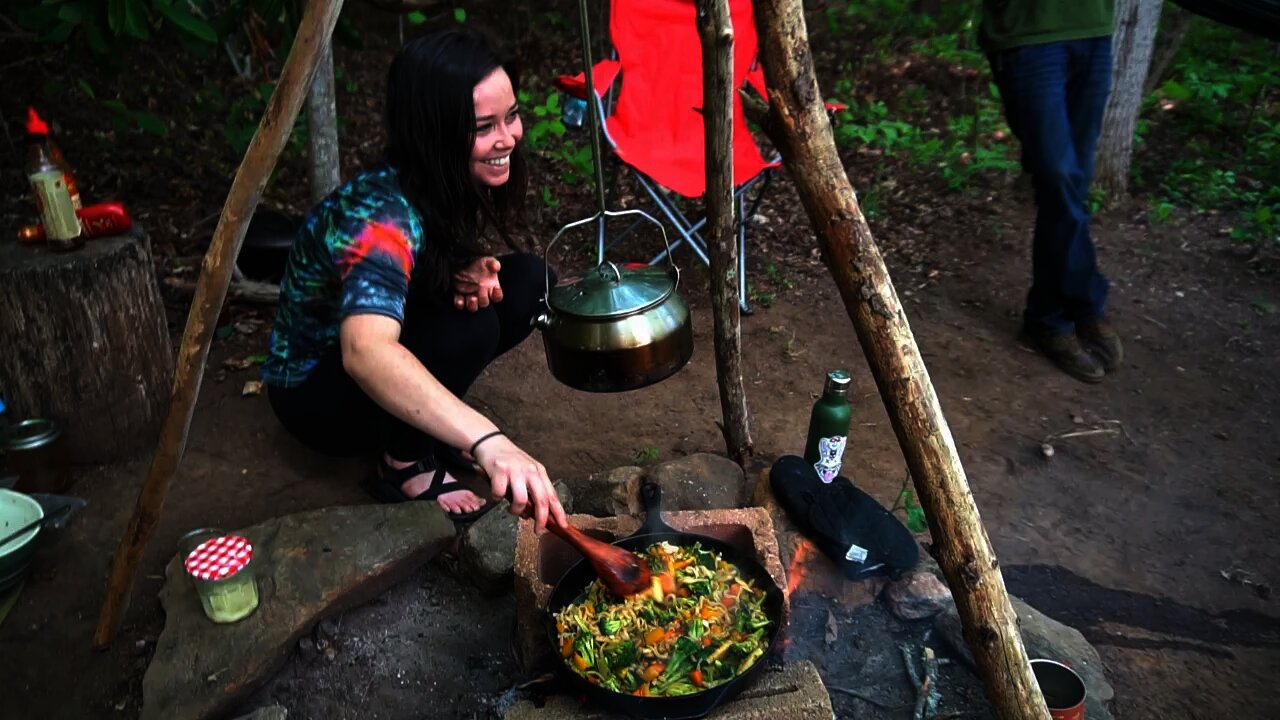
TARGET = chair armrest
x,y
603,73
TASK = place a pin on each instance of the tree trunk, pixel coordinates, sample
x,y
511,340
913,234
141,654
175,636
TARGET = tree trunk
x,y
1168,40
1132,45
83,341
259,159
799,128
716,33
322,130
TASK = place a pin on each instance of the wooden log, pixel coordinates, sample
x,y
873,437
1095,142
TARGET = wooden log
x,y
801,131
260,158
715,31
83,340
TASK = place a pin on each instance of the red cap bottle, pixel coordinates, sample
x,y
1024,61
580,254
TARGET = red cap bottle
x,y
38,128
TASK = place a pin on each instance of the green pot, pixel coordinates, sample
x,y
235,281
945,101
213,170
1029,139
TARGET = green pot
x,y
17,510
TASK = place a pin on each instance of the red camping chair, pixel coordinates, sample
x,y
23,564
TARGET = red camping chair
x,y
655,126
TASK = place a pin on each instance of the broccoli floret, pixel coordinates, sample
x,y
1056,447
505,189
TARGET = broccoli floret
x,y
585,647
621,654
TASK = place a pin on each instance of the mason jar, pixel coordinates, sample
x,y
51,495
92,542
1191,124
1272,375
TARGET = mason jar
x,y
221,570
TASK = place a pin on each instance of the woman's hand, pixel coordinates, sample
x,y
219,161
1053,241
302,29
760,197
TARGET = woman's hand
x,y
476,285
515,475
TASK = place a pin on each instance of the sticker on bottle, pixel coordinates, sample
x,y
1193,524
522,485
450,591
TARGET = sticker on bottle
x,y
830,457
56,210
855,553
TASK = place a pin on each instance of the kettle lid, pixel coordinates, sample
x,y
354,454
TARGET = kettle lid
x,y
608,291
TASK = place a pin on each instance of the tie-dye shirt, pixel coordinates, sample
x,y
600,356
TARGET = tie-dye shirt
x,y
353,255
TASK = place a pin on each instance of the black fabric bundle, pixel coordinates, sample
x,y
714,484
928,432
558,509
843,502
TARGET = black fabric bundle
x,y
859,535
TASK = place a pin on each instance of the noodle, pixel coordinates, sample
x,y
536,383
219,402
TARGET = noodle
x,y
699,625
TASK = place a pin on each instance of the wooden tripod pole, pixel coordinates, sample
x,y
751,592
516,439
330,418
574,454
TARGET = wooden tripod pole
x,y
715,30
798,126
211,291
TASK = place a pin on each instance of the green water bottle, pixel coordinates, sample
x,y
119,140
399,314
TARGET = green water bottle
x,y
829,427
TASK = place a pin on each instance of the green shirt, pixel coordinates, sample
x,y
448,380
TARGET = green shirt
x,y
1014,23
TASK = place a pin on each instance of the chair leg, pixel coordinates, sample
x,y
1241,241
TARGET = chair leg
x,y
678,220
742,260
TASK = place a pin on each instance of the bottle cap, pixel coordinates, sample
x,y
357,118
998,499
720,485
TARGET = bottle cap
x,y
219,558
837,383
35,126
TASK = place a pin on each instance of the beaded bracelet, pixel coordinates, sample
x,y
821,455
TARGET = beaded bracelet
x,y
482,438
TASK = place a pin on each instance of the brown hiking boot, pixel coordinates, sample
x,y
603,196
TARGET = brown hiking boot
x,y
1066,352
1101,338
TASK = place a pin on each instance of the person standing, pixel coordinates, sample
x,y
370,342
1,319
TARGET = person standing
x,y
1051,61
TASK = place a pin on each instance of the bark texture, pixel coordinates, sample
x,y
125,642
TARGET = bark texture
x,y
322,130
1132,43
260,158
1177,23
83,341
800,130
715,30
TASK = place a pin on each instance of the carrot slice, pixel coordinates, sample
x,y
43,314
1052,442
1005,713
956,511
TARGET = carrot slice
x,y
668,583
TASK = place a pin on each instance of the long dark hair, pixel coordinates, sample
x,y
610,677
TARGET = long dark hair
x,y
430,117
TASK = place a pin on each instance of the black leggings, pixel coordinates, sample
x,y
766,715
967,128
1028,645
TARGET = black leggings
x,y
331,414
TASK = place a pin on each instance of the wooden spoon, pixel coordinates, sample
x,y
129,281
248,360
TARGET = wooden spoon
x,y
622,571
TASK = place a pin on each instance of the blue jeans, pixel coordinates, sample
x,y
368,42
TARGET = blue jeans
x,y
1054,95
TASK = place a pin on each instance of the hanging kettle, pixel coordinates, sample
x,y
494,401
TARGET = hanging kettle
x,y
611,328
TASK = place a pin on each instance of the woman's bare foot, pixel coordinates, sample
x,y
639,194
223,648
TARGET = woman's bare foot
x,y
458,501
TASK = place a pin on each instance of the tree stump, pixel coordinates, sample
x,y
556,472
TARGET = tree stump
x,y
83,340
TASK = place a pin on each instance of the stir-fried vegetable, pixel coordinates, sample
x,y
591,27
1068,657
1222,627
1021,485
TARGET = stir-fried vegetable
x,y
697,626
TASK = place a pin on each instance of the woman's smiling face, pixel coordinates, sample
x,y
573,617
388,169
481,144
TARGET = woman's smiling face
x,y
498,129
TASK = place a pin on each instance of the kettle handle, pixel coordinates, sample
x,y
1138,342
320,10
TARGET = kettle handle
x,y
675,271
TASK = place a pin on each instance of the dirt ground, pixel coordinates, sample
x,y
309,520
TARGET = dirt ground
x,y
1142,537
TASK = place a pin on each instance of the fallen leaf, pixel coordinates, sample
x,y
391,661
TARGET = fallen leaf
x,y
832,629
244,363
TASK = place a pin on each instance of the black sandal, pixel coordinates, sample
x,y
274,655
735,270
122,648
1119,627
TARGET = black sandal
x,y
386,481
452,460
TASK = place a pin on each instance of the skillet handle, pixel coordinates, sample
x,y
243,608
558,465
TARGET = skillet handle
x,y
651,497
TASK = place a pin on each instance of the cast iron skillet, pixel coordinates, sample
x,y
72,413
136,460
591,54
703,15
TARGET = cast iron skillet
x,y
685,707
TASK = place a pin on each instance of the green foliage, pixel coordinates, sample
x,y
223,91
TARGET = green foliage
x,y
911,510
1220,106
645,455
545,134
102,25
125,118
110,29
905,127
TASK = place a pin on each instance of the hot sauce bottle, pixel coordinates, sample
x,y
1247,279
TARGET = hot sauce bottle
x,y
37,126
50,187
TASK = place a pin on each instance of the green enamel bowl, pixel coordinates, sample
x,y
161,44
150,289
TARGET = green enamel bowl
x,y
16,511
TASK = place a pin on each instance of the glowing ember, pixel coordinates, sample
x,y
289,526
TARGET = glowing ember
x,y
795,572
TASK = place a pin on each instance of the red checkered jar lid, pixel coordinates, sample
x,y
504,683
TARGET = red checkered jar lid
x,y
219,558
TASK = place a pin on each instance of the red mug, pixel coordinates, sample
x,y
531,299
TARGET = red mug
x,y
1062,688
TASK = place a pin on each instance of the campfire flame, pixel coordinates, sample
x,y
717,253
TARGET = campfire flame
x,y
796,571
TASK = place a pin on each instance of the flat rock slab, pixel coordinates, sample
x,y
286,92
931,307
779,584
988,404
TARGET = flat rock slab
x,y
701,481
308,566
794,693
